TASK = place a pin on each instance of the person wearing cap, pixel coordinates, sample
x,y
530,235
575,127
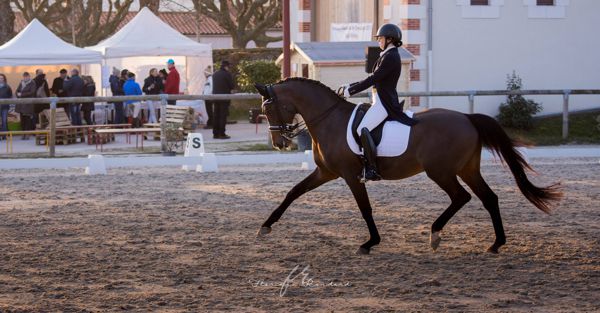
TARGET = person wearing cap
x,y
222,84
172,82
58,90
384,80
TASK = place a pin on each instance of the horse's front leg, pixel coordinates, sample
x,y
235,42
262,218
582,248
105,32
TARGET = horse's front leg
x,y
362,199
317,178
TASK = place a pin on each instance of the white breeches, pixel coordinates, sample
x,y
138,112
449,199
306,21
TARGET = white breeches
x,y
374,116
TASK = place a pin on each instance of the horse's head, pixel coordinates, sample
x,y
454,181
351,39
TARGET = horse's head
x,y
280,113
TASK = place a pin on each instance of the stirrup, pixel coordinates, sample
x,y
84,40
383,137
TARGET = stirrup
x,y
373,175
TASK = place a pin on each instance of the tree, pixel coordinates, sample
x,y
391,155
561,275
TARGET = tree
x,y
517,112
245,21
7,22
80,22
153,5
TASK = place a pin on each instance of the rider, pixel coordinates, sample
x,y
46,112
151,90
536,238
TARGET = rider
x,y
384,79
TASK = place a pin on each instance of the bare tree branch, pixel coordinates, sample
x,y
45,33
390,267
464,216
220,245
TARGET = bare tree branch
x,y
245,21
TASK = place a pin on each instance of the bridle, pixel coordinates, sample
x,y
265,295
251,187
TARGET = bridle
x,y
286,130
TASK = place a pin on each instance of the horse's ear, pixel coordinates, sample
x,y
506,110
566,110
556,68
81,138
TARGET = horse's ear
x,y
262,90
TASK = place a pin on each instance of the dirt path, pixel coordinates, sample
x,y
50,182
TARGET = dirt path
x,y
171,241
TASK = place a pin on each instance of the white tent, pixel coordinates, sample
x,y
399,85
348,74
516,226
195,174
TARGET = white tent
x,y
36,45
146,42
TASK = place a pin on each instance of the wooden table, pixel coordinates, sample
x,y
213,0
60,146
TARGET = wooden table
x,y
128,132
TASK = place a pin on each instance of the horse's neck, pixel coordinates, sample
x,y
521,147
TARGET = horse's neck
x,y
325,117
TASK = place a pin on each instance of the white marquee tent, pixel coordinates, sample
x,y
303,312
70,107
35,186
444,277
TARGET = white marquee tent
x,y
147,42
36,45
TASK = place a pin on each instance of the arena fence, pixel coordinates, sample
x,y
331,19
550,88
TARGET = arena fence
x,y
163,98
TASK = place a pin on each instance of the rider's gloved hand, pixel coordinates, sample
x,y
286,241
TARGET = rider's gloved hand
x,y
343,91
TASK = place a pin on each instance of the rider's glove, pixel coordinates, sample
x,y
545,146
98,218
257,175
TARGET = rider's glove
x,y
343,91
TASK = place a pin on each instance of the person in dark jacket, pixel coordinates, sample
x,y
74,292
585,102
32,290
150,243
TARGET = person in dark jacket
x,y
222,84
74,88
122,81
89,90
152,86
385,97
26,89
5,93
117,90
58,91
43,91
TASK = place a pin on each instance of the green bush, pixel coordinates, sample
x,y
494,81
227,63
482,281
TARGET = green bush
x,y
260,71
517,112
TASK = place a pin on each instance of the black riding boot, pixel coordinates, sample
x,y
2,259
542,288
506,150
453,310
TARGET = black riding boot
x,y
370,156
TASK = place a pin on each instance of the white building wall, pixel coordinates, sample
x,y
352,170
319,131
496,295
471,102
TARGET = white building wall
x,y
546,49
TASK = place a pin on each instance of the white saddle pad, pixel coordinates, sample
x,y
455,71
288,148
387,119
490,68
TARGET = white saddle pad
x,y
393,141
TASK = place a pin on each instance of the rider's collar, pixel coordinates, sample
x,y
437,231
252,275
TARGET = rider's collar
x,y
390,47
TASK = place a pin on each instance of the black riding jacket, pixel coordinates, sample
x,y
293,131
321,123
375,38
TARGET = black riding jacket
x,y
384,78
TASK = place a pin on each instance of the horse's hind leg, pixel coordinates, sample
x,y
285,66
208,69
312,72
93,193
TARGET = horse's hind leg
x,y
472,177
317,178
459,197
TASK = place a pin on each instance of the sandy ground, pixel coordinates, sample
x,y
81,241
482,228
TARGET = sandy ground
x,y
170,241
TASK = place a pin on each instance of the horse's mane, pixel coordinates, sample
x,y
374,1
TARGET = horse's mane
x,y
311,81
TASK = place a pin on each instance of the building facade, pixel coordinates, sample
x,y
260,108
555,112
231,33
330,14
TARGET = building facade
x,y
475,44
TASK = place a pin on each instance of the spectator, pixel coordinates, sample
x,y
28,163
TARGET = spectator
x,y
152,86
42,91
208,90
222,84
5,93
57,89
163,75
172,81
26,89
117,90
122,81
89,90
132,88
74,88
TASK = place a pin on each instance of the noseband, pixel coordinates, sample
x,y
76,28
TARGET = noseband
x,y
289,131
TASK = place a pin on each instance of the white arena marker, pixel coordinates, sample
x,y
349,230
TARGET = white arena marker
x,y
309,161
96,165
209,163
194,147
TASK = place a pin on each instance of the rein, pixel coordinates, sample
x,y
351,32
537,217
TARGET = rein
x,y
289,131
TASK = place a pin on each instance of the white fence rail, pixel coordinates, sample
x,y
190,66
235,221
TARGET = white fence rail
x,y
566,93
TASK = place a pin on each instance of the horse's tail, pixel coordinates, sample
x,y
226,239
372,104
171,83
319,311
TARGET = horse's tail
x,y
493,137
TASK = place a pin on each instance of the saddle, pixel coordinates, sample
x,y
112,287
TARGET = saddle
x,y
376,133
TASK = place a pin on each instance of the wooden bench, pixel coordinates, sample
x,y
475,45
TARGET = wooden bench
x,y
65,132
10,134
128,132
175,114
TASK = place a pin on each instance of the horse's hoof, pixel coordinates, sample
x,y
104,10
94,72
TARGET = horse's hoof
x,y
263,231
493,249
362,251
434,240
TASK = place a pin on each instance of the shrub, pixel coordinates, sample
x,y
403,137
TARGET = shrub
x,y
517,112
260,71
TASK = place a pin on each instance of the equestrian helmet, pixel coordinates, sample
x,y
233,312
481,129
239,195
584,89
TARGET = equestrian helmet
x,y
390,31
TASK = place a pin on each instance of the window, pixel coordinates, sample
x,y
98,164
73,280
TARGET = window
x,y
480,8
545,2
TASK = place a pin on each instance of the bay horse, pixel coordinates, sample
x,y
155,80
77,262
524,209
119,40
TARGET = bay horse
x,y
445,144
